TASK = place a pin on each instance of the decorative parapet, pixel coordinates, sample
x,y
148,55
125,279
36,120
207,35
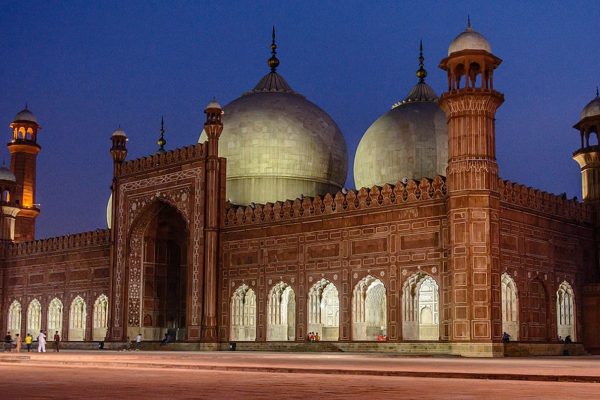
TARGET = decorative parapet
x,y
351,200
187,154
98,237
534,199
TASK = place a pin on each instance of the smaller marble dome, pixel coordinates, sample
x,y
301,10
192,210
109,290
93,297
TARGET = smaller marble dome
x,y
592,109
25,116
469,40
7,175
119,132
408,141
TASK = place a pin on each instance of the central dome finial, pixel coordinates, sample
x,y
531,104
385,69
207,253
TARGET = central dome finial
x,y
469,29
421,72
273,61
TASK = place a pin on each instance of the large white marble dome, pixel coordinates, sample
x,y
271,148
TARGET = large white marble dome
x,y
409,141
279,145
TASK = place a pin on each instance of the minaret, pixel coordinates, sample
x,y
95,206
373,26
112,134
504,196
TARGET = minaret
x,y
8,209
23,150
213,128
588,156
471,283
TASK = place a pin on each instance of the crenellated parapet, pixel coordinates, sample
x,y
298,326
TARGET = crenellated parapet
x,y
557,205
342,202
98,237
186,154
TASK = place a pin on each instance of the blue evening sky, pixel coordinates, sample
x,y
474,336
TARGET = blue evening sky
x,y
86,67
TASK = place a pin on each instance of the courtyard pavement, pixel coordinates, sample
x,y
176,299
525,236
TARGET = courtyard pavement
x,y
259,375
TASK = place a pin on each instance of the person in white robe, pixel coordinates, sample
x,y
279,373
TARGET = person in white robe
x,y
42,342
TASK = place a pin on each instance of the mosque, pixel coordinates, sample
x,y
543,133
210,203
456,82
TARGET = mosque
x,y
249,235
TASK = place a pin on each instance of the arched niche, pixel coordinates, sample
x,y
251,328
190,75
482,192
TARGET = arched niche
x,y
243,314
77,319
324,310
420,308
369,309
55,316
100,318
510,307
565,311
281,313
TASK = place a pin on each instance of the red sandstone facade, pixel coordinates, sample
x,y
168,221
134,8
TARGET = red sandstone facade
x,y
177,254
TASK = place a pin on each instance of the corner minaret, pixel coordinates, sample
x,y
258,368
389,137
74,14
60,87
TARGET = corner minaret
x,y
213,128
588,156
8,209
23,150
471,283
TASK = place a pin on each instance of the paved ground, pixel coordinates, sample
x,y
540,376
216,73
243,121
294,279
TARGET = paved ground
x,y
153,375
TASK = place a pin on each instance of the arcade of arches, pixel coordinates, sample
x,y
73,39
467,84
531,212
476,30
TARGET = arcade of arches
x,y
77,318
420,310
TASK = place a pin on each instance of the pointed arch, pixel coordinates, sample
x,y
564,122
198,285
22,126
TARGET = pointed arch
x,y
510,306
324,310
565,311
77,319
55,316
369,309
100,323
34,317
243,314
420,308
281,319
14,317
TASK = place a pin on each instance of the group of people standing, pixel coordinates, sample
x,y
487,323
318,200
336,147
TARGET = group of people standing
x,y
41,339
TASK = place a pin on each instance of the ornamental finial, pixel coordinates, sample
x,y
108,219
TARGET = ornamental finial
x,y
161,140
421,72
273,62
469,29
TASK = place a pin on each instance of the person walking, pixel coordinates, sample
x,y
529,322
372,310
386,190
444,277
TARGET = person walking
x,y
28,341
8,342
18,343
138,341
42,342
56,342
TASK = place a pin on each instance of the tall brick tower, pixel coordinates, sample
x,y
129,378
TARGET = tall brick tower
x,y
471,282
23,150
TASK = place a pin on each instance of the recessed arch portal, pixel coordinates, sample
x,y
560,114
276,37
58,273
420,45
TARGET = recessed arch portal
x,y
158,273
565,311
281,319
420,308
324,310
510,307
369,309
243,314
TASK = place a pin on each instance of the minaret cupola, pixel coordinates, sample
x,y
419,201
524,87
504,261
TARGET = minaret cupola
x,y
588,156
